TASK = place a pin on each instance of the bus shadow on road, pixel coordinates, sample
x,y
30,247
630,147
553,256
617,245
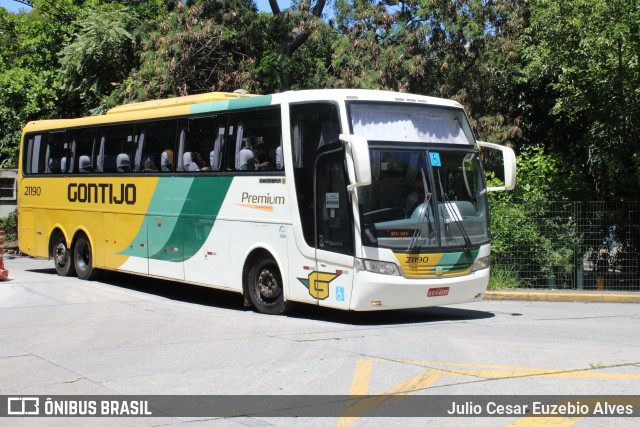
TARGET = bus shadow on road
x,y
389,317
201,295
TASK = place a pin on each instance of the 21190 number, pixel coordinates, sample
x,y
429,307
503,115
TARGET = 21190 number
x,y
32,190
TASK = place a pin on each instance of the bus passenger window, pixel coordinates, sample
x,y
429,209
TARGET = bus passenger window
x,y
155,142
200,139
31,149
56,153
257,138
114,149
82,148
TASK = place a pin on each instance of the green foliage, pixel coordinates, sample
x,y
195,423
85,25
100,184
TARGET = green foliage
x,y
463,50
504,277
528,221
10,226
101,55
558,81
208,46
585,55
29,43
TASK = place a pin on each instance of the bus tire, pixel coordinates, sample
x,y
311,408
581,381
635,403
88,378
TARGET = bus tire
x,y
83,259
264,284
62,258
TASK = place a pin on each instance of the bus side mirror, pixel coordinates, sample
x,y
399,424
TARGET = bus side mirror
x,y
509,162
358,147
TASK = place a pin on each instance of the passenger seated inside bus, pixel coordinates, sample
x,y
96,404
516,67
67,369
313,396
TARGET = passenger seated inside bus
x,y
54,166
149,165
122,163
84,164
166,161
199,163
416,197
187,160
263,160
246,156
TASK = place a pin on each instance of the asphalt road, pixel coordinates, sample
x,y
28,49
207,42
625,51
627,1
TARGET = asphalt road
x,y
127,335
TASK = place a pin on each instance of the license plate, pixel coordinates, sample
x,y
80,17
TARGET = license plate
x,y
438,292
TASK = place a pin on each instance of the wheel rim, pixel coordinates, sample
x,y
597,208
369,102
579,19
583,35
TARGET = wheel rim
x,y
83,255
268,285
61,254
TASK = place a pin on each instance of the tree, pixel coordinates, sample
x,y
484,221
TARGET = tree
x,y
585,54
204,46
29,43
101,54
465,50
295,25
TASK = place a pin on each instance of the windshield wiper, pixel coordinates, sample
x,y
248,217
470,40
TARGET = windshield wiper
x,y
424,216
454,214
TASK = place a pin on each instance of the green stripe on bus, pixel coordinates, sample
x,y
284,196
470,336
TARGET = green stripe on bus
x,y
231,104
195,220
457,261
177,229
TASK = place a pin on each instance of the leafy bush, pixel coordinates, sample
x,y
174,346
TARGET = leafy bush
x,y
10,226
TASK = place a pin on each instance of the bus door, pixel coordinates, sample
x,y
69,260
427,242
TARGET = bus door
x,y
334,273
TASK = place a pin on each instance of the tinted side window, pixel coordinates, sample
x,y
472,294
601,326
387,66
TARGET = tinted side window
x,y
155,146
254,141
201,143
57,154
31,151
114,147
81,143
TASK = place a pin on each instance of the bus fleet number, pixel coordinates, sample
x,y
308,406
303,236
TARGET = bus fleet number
x,y
32,190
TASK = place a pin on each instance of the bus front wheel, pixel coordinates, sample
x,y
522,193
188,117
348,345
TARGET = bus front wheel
x,y
62,256
265,287
83,258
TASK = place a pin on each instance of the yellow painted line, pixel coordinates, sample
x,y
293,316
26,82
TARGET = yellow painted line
x,y
428,362
412,385
518,371
422,381
569,421
585,296
361,377
550,373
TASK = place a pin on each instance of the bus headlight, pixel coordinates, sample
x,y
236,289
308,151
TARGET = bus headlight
x,y
380,267
481,264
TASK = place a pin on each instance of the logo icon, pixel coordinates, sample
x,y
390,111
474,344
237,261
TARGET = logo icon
x,y
339,293
23,406
318,284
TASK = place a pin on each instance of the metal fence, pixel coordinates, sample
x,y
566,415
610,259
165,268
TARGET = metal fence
x,y
572,245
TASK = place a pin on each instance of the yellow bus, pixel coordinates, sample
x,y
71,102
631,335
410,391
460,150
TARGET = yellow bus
x,y
352,199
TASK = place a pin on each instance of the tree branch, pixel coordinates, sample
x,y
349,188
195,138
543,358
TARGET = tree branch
x,y
275,9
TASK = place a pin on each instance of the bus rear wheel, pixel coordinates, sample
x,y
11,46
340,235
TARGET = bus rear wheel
x,y
83,259
62,256
265,287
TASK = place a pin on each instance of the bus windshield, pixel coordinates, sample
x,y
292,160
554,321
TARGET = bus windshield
x,y
424,197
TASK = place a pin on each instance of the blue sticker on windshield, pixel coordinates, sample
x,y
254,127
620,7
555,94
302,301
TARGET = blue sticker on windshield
x,y
435,159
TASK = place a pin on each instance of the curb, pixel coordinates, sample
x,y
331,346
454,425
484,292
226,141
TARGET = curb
x,y
555,296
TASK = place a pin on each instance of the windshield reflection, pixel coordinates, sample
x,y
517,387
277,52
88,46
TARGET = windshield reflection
x,y
429,197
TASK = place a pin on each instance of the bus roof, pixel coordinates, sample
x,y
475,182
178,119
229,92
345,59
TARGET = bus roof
x,y
177,101
223,101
